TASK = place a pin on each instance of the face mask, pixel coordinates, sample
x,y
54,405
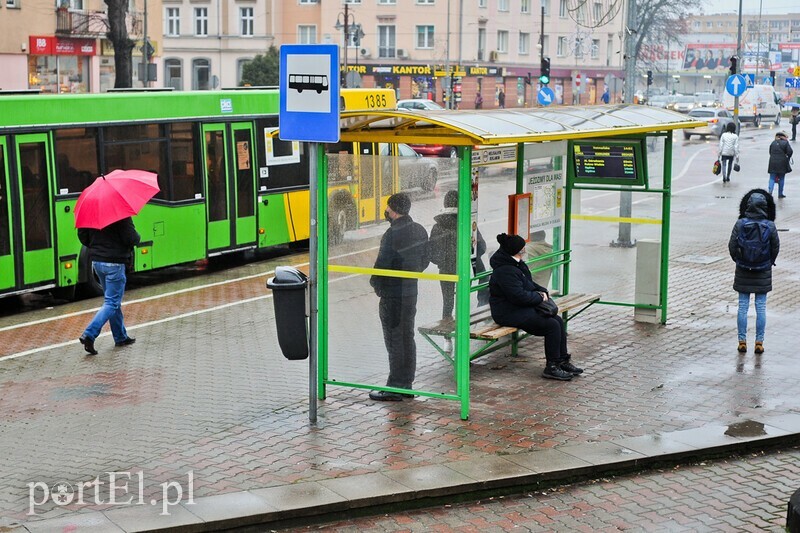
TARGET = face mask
x,y
386,215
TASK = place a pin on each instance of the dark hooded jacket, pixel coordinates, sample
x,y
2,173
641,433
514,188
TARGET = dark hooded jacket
x,y
404,246
780,152
444,242
512,292
757,205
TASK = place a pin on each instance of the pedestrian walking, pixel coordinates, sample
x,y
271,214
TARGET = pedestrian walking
x,y
404,246
754,246
110,250
728,152
606,97
478,101
514,298
501,98
794,119
780,155
442,247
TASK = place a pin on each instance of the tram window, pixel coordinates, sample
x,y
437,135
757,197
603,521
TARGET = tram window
x,y
35,196
186,183
149,155
5,242
76,159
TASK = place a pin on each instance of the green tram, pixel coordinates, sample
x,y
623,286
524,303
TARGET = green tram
x,y
226,185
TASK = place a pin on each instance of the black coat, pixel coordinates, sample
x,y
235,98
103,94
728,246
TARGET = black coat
x,y
512,292
112,244
758,205
404,246
780,151
443,243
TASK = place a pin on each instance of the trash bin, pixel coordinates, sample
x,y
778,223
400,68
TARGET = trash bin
x,y
289,298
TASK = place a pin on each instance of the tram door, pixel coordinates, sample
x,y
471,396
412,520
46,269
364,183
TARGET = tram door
x,y
36,228
6,257
230,185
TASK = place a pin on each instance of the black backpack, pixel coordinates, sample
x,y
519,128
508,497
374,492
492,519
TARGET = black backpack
x,y
754,241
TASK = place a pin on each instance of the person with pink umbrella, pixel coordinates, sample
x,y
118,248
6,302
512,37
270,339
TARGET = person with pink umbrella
x,y
103,218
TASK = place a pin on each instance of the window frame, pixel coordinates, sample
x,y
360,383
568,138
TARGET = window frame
x,y
245,21
302,36
502,42
172,16
426,32
387,40
524,43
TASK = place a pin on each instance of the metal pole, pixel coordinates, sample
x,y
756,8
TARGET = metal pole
x,y
448,76
758,45
739,67
144,48
312,285
346,20
625,200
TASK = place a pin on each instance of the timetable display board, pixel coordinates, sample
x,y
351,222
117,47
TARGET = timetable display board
x,y
601,161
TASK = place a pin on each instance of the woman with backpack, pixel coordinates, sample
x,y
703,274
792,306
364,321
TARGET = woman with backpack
x,y
754,246
780,154
728,153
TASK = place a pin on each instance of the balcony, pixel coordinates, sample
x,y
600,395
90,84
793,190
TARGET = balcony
x,y
93,24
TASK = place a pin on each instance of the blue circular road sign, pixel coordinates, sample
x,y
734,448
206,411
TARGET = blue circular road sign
x,y
545,96
736,85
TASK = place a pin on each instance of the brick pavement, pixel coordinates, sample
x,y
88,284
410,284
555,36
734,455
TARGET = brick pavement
x,y
207,392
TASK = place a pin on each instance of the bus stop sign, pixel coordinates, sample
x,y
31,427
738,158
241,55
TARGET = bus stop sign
x,y
309,93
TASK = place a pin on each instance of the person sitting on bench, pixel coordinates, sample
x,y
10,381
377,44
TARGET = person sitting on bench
x,y
513,297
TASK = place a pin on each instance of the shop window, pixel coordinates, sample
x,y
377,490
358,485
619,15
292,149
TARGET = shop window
x,y
173,74
201,74
76,159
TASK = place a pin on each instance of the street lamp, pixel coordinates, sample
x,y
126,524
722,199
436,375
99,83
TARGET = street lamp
x,y
344,21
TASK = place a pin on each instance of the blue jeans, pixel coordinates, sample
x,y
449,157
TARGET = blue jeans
x,y
112,279
780,178
761,315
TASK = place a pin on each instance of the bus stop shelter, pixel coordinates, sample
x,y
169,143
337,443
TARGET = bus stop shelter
x,y
578,149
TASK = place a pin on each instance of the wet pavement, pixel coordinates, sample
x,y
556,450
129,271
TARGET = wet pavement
x,y
204,402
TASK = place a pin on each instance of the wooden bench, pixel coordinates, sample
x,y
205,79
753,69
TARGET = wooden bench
x,y
483,328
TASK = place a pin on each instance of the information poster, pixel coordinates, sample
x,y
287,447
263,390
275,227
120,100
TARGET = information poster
x,y
546,189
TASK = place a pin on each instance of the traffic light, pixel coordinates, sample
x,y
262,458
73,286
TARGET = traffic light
x,y
148,50
649,78
544,76
734,65
528,79
772,77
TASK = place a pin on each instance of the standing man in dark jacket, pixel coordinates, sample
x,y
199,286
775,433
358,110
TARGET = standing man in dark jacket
x,y
756,205
780,153
513,300
110,251
404,246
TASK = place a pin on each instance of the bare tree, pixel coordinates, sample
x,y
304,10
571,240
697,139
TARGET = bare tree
x,y
123,45
663,21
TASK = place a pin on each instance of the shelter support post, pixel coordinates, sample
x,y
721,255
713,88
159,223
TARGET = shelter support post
x,y
666,206
464,272
319,185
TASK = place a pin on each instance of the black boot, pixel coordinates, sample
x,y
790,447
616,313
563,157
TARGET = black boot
x,y
569,367
554,371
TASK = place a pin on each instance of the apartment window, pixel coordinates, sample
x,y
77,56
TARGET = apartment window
x,y
697,24
709,24
352,1
595,48
525,6
307,34
561,50
308,1
240,63
173,21
246,21
502,41
12,4
424,36
562,9
609,49
481,44
173,74
524,43
386,41
387,2
546,46
430,2
201,21
481,3
546,6
201,74
502,5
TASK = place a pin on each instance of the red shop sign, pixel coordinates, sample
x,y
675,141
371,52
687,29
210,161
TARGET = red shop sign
x,y
49,45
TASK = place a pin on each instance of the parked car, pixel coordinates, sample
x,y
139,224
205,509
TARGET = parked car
x,y
717,118
659,101
415,170
418,103
683,104
435,150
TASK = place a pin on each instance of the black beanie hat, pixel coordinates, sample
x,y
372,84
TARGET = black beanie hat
x,y
511,244
400,203
451,199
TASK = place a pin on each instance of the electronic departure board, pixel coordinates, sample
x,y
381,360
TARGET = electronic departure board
x,y
612,162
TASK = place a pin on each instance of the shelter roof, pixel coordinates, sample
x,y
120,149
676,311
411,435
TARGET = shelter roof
x,y
503,126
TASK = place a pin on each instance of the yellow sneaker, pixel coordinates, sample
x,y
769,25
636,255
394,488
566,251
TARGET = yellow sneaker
x,y
759,347
742,346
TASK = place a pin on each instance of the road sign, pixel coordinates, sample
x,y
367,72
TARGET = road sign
x,y
792,83
545,96
735,85
309,93
750,79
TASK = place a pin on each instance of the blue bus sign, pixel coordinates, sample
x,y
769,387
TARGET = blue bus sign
x,y
736,85
309,93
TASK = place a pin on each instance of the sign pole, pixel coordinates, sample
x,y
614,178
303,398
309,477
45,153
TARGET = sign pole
x,y
312,284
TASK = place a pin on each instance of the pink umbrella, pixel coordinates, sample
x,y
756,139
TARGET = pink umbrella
x,y
117,195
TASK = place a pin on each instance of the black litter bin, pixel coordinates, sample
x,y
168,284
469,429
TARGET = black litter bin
x,y
289,298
